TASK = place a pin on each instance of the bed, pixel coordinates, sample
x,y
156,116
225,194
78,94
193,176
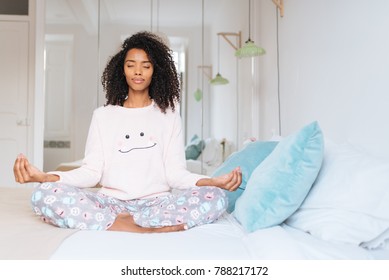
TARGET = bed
x,y
28,238
338,210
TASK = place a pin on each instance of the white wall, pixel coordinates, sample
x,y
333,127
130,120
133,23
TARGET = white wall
x,y
225,99
333,68
334,65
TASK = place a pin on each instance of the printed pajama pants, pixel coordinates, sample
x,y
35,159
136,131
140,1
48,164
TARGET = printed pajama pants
x,y
70,207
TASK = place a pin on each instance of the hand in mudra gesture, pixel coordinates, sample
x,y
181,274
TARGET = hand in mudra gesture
x,y
230,181
25,172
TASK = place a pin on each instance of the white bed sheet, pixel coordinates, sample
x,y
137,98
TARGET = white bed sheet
x,y
223,240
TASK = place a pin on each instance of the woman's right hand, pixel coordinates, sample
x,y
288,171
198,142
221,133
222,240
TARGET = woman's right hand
x,y
27,173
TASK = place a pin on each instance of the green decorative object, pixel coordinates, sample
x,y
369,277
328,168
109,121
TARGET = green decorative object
x,y
219,80
249,50
198,94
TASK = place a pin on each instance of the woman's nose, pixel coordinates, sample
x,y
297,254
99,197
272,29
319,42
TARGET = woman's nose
x,y
138,70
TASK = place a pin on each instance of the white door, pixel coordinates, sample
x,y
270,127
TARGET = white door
x,y
13,96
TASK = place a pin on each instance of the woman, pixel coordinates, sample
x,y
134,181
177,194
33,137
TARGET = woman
x,y
135,151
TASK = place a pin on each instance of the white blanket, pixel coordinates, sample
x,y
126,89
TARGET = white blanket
x,y
222,240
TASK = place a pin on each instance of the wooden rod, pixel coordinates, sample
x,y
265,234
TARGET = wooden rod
x,y
238,35
280,6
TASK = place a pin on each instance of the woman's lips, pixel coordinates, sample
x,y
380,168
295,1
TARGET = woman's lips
x,y
138,81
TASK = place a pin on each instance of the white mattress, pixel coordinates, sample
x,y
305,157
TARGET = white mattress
x,y
223,240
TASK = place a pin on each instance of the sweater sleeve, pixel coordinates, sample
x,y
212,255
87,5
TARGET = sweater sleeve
x,y
89,174
175,164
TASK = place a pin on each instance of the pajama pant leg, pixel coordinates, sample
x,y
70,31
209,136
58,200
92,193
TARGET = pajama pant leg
x,y
70,207
195,206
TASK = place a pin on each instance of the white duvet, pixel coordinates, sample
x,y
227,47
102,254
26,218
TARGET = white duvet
x,y
223,240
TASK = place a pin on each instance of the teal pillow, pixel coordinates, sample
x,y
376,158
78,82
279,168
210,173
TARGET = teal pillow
x,y
247,159
278,186
194,148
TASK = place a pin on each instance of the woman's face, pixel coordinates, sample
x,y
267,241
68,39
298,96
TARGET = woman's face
x,y
138,70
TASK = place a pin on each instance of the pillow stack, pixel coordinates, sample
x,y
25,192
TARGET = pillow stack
x,y
342,197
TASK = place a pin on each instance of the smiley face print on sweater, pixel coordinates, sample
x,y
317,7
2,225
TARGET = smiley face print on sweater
x,y
135,140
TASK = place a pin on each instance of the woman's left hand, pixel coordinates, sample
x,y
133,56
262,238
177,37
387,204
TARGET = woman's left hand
x,y
230,181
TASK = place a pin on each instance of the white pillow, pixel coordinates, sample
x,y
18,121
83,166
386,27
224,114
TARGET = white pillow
x,y
211,154
349,201
380,242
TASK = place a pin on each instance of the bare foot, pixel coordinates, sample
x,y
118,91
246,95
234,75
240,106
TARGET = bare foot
x,y
125,222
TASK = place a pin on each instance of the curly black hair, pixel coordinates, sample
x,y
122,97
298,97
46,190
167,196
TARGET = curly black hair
x,y
165,85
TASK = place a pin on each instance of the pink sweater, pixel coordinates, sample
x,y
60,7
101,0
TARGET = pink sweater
x,y
133,153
